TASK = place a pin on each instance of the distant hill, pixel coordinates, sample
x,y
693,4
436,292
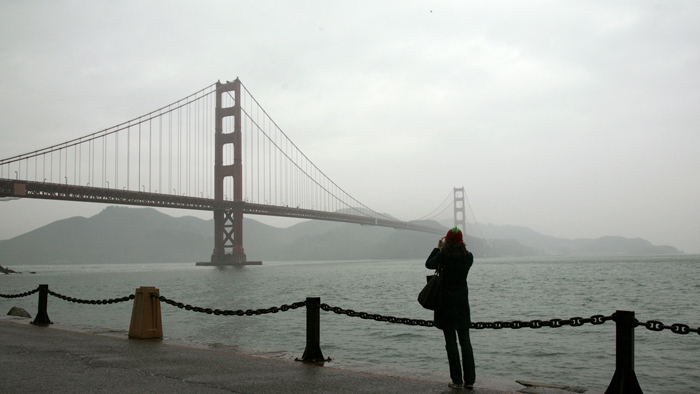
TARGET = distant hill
x,y
144,235
115,235
548,245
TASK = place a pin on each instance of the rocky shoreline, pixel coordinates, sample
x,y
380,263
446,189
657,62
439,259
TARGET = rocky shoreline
x,y
7,270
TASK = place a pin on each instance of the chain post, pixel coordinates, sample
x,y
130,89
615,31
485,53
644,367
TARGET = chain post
x,y
313,353
42,317
146,319
625,380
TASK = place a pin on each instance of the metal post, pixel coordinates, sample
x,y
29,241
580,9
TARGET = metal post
x,y
625,380
312,353
42,318
146,319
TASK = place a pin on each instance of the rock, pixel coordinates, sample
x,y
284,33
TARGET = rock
x,y
6,270
17,311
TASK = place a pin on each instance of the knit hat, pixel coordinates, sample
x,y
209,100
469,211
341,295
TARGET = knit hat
x,y
454,236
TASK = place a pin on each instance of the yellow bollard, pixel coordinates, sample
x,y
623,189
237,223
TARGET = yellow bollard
x,y
145,317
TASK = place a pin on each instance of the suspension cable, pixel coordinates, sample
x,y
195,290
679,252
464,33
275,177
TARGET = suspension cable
x,y
256,123
114,129
475,222
428,217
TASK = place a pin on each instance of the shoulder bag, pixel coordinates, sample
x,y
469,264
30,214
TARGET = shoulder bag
x,y
431,295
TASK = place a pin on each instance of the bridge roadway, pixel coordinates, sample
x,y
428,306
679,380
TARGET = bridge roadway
x,y
67,192
64,359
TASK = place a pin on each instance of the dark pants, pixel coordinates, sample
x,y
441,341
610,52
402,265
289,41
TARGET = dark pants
x,y
453,356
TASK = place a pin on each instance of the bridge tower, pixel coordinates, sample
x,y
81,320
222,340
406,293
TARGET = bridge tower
x,y
228,222
460,218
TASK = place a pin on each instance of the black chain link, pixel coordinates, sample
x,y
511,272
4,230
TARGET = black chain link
x,y
554,323
92,302
20,294
241,312
655,325
370,316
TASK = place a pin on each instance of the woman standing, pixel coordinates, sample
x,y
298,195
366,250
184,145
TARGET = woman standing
x,y
453,317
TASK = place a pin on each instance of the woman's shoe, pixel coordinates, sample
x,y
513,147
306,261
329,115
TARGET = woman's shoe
x,y
454,385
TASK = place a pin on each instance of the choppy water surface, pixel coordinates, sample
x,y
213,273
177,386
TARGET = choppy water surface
x,y
662,288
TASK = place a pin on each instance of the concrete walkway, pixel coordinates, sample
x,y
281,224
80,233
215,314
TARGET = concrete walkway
x,y
62,359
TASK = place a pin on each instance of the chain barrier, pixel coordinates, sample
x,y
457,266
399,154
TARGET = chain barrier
x,y
92,302
370,316
554,323
652,325
655,325
240,312
20,295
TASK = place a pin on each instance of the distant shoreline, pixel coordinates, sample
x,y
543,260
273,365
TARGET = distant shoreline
x,y
6,270
341,261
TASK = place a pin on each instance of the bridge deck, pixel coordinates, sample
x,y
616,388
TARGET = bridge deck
x,y
67,192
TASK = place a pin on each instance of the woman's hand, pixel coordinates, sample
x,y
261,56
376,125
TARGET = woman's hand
x,y
441,242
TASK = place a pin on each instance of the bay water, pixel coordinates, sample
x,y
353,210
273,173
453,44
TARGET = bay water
x,y
664,288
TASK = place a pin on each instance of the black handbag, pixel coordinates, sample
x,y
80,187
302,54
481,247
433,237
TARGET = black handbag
x,y
431,295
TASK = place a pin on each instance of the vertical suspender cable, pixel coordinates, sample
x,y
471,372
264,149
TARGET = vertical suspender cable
x,y
187,150
93,166
198,151
264,167
139,184
80,160
257,156
179,149
250,156
203,147
207,144
194,151
170,149
128,156
150,162
271,182
116,160
268,173
160,152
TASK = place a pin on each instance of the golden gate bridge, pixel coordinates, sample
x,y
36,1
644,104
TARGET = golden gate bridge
x,y
215,150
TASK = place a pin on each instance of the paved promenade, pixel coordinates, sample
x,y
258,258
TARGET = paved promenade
x,y
62,359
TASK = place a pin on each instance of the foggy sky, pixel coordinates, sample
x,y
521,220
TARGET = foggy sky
x,y
576,119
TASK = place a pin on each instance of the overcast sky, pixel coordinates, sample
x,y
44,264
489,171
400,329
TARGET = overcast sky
x,y
578,119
